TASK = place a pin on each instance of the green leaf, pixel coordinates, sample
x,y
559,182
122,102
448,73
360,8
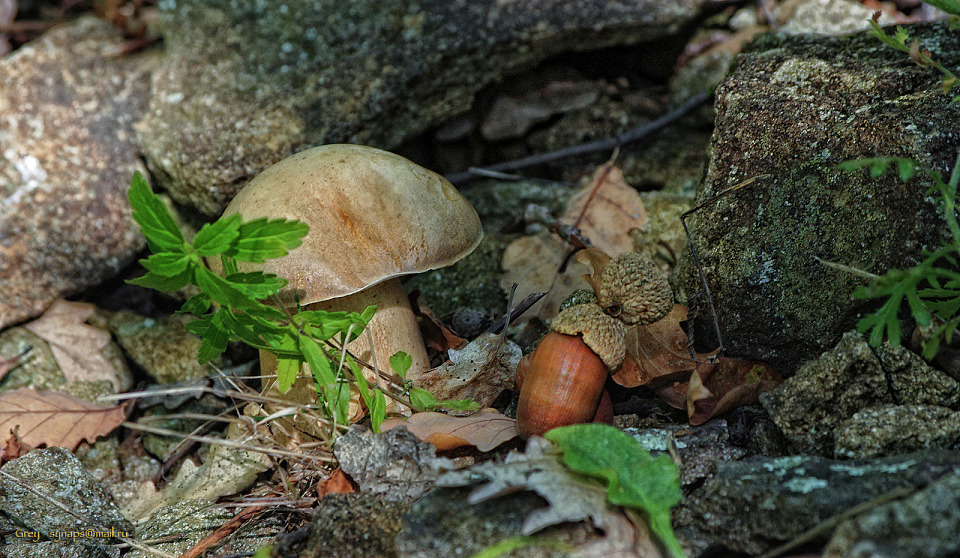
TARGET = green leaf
x,y
459,404
165,283
170,264
287,370
224,292
197,305
215,238
378,410
214,337
422,399
257,284
318,361
158,226
337,397
634,478
950,6
263,239
401,362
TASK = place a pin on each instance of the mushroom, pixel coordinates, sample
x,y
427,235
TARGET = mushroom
x,y
562,381
374,216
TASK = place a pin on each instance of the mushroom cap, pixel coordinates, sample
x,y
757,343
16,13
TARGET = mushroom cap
x,y
633,289
373,215
603,334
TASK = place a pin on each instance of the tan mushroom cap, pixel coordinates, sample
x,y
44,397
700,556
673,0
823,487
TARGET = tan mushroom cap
x,y
603,334
373,215
633,289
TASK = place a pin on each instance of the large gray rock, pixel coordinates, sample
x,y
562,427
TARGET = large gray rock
x,y
792,108
67,153
245,84
750,506
851,377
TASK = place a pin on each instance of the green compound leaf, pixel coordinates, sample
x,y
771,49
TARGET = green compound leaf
x,y
950,6
170,264
197,305
217,237
161,282
158,226
214,336
257,284
318,361
224,292
263,239
287,370
634,478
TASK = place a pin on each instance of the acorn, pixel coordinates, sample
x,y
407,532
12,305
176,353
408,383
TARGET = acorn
x,y
562,381
634,290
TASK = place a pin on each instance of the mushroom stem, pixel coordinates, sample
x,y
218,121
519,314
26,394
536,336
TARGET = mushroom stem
x,y
393,328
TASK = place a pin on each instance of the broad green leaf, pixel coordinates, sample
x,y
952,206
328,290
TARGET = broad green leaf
x,y
401,362
950,6
217,237
422,399
378,410
158,226
634,478
337,397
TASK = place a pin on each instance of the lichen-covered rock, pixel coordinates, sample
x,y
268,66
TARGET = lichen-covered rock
x,y
752,505
163,348
67,153
56,474
245,84
925,524
792,108
896,429
846,379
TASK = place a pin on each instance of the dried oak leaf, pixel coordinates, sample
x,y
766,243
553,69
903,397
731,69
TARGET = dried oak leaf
x,y
532,262
55,418
480,371
437,336
484,430
337,483
76,345
659,353
606,210
571,497
717,387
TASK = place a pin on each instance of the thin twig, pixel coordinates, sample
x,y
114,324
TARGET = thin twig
x,y
524,305
824,527
593,147
696,259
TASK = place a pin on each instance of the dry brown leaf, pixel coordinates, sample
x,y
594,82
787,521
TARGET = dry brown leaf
x,y
55,418
438,336
12,447
337,483
717,387
484,430
613,208
532,263
76,346
480,371
659,351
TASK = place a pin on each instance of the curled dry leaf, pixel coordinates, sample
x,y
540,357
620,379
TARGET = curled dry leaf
x,y
438,336
54,418
717,387
606,210
533,262
484,430
659,353
337,483
479,371
76,345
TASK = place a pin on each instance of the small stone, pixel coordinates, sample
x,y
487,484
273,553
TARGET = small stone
x,y
896,429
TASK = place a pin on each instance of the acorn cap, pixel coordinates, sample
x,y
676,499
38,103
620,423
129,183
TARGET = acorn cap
x,y
603,334
633,289
373,215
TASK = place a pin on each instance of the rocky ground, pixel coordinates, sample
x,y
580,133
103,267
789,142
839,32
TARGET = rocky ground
x,y
853,454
